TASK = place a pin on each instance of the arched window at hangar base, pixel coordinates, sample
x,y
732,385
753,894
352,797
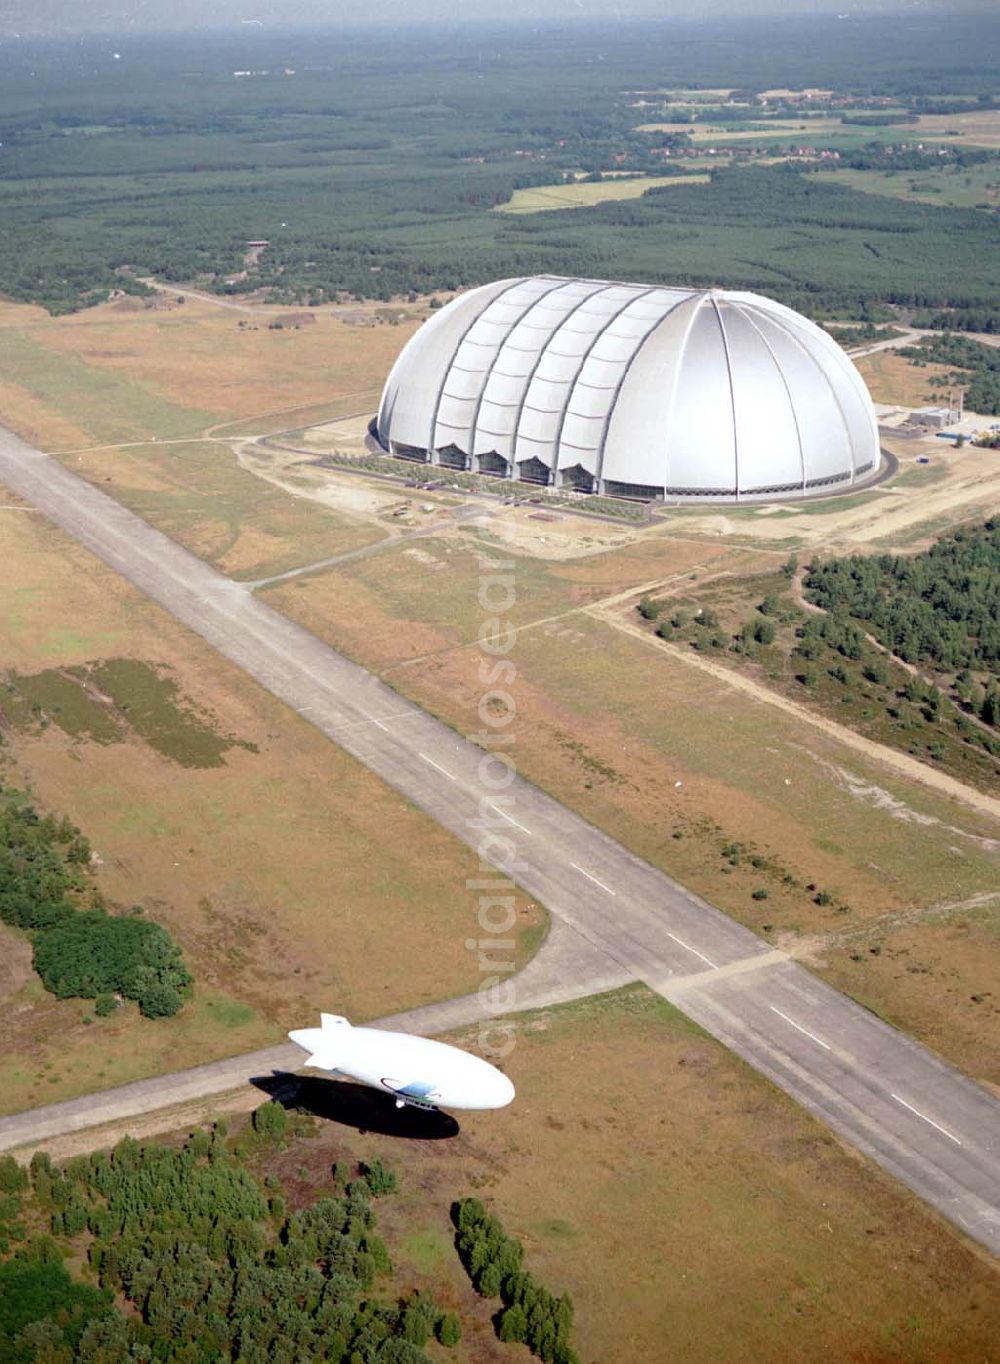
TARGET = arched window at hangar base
x,y
493,463
640,492
412,452
534,471
578,478
451,457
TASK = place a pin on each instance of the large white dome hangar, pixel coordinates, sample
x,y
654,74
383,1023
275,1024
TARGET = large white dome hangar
x,y
631,390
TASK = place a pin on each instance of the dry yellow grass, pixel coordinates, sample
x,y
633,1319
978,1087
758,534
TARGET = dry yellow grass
x,y
785,128
892,379
582,194
647,747
292,878
199,356
980,127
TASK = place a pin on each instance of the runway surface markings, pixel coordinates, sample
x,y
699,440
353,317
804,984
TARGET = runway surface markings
x,y
587,874
443,770
805,1031
936,1125
688,948
511,820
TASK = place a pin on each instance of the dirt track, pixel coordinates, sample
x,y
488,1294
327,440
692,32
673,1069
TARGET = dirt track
x,y
881,754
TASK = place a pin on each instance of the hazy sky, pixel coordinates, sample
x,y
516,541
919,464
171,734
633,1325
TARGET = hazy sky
x,y
54,16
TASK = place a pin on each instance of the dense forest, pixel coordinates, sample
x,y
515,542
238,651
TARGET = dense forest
x,y
373,169
940,607
188,1253
80,950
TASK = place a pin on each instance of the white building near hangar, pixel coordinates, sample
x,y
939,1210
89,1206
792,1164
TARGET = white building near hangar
x,y
633,391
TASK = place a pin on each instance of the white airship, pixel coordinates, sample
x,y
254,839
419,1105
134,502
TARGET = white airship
x,y
418,1071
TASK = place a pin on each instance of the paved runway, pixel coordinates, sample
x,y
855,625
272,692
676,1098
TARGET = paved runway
x,y
889,1097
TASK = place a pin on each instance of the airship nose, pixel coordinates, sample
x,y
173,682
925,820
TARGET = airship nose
x,y
499,1093
505,1088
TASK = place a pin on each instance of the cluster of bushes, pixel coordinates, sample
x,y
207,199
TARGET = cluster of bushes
x,y
207,1261
530,1313
935,719
982,393
79,952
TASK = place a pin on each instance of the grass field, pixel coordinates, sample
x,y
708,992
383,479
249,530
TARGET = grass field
x,y
121,394
678,765
954,186
754,130
169,371
690,1210
199,495
286,872
541,198
892,379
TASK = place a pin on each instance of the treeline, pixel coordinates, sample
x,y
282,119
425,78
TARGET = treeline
x,y
940,607
206,1259
982,393
493,1260
984,319
80,950
848,337
886,157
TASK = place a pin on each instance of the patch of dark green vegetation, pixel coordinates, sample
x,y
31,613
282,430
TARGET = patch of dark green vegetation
x,y
944,712
940,607
152,703
57,696
848,337
80,950
374,168
530,1315
198,1245
976,368
106,701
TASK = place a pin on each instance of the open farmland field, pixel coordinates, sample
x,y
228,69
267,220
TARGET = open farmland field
x,y
683,768
754,130
957,186
690,1210
978,128
285,871
543,198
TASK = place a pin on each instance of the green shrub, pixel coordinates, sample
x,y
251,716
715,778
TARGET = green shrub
x,y
270,1121
449,1330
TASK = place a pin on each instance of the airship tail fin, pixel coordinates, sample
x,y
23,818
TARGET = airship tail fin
x,y
324,1043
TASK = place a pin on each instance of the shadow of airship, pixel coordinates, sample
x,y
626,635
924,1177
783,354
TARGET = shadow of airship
x,y
356,1106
